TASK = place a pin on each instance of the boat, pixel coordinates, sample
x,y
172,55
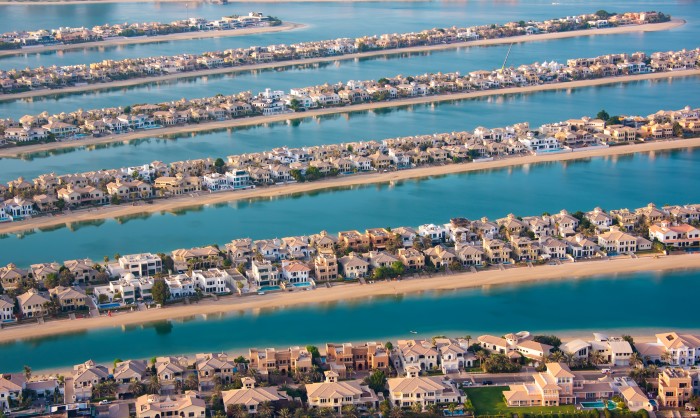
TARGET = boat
x,y
413,332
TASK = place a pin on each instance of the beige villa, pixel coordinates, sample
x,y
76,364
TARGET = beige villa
x,y
250,397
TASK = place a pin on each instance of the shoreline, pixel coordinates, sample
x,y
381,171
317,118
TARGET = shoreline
x,y
180,203
260,120
582,270
155,39
653,27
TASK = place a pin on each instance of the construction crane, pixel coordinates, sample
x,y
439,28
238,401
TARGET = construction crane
x,y
503,68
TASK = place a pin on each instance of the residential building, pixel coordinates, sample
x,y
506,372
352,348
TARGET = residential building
x,y
325,266
406,391
420,354
250,397
263,273
680,235
69,298
212,365
675,387
369,356
269,359
144,264
155,406
520,344
212,280
682,349
7,308
295,272
334,395
85,377
554,387
411,258
32,304
353,267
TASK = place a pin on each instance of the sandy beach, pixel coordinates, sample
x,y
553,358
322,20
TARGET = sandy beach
x,y
259,120
279,64
567,271
154,39
179,203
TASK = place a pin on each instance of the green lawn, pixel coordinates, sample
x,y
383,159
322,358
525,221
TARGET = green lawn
x,y
489,401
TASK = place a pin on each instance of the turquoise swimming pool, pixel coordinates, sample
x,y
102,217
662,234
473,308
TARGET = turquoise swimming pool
x,y
302,284
269,288
599,405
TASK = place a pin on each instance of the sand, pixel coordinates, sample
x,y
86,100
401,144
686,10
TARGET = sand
x,y
485,279
259,120
205,198
155,39
278,64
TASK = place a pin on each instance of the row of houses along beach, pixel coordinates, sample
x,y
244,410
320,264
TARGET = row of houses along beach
x,y
197,180
419,377
55,78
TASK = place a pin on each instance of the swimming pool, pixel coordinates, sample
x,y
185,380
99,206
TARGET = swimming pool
x,y
110,305
302,284
599,405
269,288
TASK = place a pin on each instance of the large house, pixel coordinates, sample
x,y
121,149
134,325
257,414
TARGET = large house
x,y
424,391
551,388
85,377
250,397
32,304
515,344
675,387
617,242
334,395
369,356
155,406
682,235
269,359
680,349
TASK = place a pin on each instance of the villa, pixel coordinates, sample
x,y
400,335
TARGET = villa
x,y
551,388
213,365
213,280
144,264
325,267
519,344
295,272
7,307
250,397
680,349
85,377
263,273
69,298
675,387
156,406
334,395
353,267
412,389
369,356
32,304
292,359
675,235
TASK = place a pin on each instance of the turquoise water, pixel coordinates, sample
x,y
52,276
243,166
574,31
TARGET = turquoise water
x,y
614,182
642,97
302,284
495,310
334,19
269,288
599,404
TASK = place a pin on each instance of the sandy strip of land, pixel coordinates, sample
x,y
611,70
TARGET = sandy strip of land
x,y
155,39
278,64
259,120
179,203
568,271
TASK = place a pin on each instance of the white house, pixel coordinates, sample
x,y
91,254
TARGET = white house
x,y
212,280
295,271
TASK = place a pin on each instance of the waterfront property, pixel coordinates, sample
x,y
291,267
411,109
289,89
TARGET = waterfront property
x,y
49,193
107,70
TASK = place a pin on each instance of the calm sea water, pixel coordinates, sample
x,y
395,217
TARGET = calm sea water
x,y
614,182
610,303
633,98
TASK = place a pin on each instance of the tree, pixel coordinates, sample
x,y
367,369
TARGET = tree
x,y
219,165
27,372
117,256
265,410
153,386
677,130
313,350
377,381
385,408
603,115
636,360
160,291
137,388
115,362
192,382
603,14
236,411
102,298
51,280
294,104
552,340
398,268
389,346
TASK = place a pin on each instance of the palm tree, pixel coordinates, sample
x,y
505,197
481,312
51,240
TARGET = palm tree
x,y
416,408
153,386
137,388
265,410
569,358
350,411
481,355
396,413
284,413
636,360
452,407
665,357
468,338
192,382
178,385
27,372
556,356
597,358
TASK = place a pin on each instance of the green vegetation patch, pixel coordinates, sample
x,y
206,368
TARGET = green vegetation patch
x,y
489,401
